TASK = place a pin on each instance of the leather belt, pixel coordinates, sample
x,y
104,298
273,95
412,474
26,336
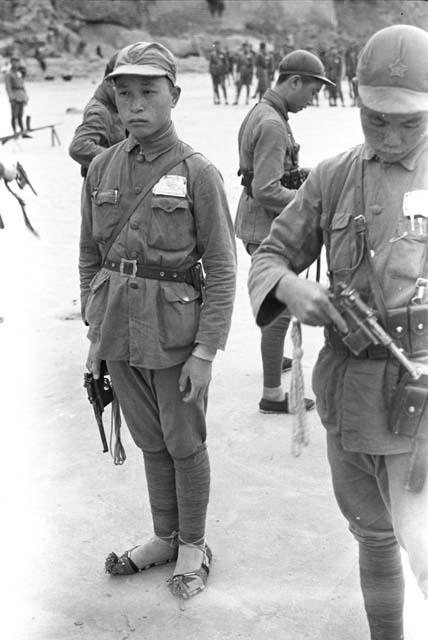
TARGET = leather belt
x,y
139,270
373,351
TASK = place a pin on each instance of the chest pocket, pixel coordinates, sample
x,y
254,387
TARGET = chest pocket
x,y
172,225
342,242
105,213
408,253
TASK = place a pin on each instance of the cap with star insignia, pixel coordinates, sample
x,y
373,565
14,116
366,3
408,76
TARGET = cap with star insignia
x,y
391,75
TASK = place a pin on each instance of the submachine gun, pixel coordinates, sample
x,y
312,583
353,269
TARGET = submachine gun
x,y
366,330
408,410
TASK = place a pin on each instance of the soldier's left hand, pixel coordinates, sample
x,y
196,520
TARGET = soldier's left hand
x,y
194,379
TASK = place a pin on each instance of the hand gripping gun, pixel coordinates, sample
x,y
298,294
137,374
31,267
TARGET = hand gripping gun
x,y
366,329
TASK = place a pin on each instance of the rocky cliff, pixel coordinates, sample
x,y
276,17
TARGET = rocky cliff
x,y
72,31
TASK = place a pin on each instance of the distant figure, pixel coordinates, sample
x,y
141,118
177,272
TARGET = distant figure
x,y
99,52
101,126
262,71
216,7
40,59
15,88
334,69
244,68
218,70
80,48
351,59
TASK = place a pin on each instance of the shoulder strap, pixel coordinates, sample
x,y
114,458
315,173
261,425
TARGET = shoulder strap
x,y
127,215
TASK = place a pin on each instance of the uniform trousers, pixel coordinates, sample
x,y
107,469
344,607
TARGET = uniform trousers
x,y
172,434
272,342
17,109
382,515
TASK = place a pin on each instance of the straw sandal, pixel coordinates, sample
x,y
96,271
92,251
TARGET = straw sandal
x,y
187,585
158,554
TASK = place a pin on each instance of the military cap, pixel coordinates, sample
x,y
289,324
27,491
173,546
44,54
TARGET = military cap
x,y
304,63
145,59
392,70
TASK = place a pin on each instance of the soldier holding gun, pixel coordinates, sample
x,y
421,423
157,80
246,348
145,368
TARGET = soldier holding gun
x,y
368,207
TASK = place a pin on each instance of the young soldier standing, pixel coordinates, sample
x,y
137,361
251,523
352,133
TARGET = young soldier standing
x,y
149,314
269,164
369,206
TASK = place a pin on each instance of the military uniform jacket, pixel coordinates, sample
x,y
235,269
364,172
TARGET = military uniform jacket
x,y
14,83
151,323
101,128
353,394
267,148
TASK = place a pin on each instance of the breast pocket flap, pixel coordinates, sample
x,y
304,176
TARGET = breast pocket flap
x,y
110,196
169,205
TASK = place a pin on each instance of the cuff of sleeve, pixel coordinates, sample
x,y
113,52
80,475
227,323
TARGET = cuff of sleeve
x,y
204,352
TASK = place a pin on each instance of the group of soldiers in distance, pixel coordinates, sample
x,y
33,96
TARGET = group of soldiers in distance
x,y
239,69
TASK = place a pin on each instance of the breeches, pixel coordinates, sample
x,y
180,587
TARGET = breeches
x,y
370,492
154,411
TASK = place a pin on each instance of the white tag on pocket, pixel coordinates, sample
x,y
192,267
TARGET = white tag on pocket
x,y
171,185
415,203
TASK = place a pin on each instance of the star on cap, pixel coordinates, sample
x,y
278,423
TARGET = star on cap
x,y
398,69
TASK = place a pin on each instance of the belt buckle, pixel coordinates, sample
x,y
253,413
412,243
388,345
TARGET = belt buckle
x,y
123,268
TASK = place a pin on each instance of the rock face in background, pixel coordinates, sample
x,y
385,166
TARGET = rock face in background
x,y
70,31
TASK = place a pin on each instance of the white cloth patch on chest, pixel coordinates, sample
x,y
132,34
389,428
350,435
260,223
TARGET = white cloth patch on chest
x,y
415,203
171,185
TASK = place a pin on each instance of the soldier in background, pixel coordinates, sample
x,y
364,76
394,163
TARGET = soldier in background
x,y
262,64
351,59
334,70
244,70
218,68
101,126
269,164
15,88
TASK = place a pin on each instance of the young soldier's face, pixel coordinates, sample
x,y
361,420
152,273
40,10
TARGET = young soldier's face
x,y
303,94
392,135
144,104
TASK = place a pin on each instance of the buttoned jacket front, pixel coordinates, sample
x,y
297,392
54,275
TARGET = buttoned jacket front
x,y
153,323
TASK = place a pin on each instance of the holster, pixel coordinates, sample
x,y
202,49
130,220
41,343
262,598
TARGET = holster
x,y
409,417
246,180
408,326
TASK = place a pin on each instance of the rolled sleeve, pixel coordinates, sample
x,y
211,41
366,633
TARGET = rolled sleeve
x,y
294,242
216,246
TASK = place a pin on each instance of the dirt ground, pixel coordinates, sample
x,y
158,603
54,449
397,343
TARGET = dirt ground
x,y
284,566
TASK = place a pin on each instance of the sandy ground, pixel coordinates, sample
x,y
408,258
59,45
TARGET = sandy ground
x,y
284,564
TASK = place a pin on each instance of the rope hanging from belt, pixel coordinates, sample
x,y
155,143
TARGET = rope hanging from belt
x,y
296,395
117,451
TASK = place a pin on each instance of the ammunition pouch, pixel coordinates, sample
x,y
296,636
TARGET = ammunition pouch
x,y
291,179
409,408
408,327
294,178
409,417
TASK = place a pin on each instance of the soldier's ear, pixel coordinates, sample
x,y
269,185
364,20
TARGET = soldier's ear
x,y
175,95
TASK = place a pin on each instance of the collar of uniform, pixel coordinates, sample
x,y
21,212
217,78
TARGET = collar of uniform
x,y
272,98
409,162
154,148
